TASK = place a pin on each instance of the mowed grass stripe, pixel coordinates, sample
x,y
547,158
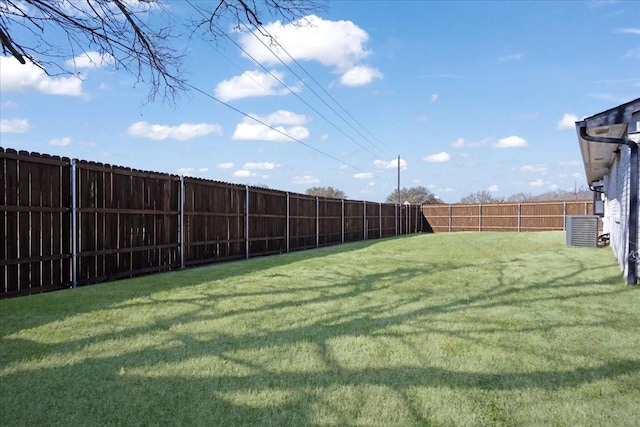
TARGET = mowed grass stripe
x,y
442,329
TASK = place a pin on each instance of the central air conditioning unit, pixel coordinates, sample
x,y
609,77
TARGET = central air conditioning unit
x,y
582,230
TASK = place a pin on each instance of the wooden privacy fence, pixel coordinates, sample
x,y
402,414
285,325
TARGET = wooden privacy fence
x,y
69,222
528,216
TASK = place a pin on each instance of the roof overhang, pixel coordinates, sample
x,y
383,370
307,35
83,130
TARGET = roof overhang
x,y
611,124
598,156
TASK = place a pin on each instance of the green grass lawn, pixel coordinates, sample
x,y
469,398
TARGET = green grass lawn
x,y
460,329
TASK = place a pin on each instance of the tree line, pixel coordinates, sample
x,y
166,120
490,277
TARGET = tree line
x,y
421,195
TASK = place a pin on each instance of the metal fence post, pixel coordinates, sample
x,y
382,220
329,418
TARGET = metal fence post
x,y
288,237
408,219
365,227
342,219
317,221
396,218
380,218
519,216
246,222
181,226
74,225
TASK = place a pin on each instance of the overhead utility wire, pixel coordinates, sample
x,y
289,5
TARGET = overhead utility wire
x,y
309,87
323,90
296,95
290,90
270,127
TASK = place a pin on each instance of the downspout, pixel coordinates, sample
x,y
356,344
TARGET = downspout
x,y
632,257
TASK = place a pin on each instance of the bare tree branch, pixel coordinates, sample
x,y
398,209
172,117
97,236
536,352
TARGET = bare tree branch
x,y
138,35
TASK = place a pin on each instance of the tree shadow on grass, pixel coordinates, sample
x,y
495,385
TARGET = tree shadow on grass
x,y
59,304
182,374
123,398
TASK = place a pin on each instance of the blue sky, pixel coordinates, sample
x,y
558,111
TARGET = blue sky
x,y
471,95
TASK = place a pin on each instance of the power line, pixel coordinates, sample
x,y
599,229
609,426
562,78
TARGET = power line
x,y
270,127
291,91
295,94
321,88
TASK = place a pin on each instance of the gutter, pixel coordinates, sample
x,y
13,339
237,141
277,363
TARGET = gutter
x,y
632,257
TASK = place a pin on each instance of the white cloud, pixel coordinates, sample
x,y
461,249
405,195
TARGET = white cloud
x,y
284,117
434,97
568,121
363,175
8,105
60,142
243,173
250,130
576,175
258,132
90,59
461,143
226,165
181,132
189,171
541,169
458,143
16,77
512,57
252,84
633,53
493,189
537,183
338,44
260,166
305,180
186,171
437,158
391,164
14,126
570,163
635,31
510,142
360,75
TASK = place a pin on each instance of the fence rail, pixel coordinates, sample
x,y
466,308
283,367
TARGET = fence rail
x,y
526,216
68,222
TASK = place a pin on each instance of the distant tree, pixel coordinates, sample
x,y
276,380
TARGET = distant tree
x,y
482,196
520,197
140,36
413,195
329,192
578,193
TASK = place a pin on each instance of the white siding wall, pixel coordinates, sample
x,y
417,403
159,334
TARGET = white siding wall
x,y
615,221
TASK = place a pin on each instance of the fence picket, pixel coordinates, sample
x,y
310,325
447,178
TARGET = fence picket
x,y
128,222
528,216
